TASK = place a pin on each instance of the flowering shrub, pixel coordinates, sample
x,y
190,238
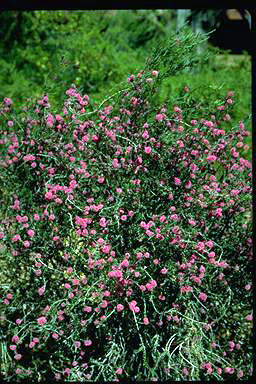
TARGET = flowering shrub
x,y
125,233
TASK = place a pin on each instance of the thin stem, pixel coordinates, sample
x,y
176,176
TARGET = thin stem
x,y
103,102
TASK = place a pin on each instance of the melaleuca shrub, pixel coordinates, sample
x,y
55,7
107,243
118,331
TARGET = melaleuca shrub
x,y
125,237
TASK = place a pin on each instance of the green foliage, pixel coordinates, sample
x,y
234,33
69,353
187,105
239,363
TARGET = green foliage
x,y
178,53
94,49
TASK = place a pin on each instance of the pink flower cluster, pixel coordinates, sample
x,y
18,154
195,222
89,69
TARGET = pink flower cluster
x,y
133,306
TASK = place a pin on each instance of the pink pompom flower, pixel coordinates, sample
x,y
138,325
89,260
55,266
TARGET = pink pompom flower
x,y
148,150
42,320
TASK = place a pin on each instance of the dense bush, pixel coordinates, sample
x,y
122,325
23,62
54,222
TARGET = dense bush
x,y
127,235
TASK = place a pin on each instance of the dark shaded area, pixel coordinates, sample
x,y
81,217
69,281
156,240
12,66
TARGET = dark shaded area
x,y
232,28
234,35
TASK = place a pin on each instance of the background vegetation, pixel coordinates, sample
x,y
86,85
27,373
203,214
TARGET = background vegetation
x,y
95,50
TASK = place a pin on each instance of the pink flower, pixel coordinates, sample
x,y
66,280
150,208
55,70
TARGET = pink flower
x,y
8,101
148,150
188,184
177,181
59,118
174,217
41,291
101,241
106,248
42,320
155,73
15,339
203,296
12,347
119,371
26,244
87,343
229,370
249,317
115,163
103,222
52,217
139,255
186,289
77,344
55,336
67,371
222,264
240,374
149,286
50,121
18,356
16,238
132,305
200,246
160,117
87,309
125,263
104,304
119,307
232,344
146,136
146,321
31,233
123,217
210,243
211,158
